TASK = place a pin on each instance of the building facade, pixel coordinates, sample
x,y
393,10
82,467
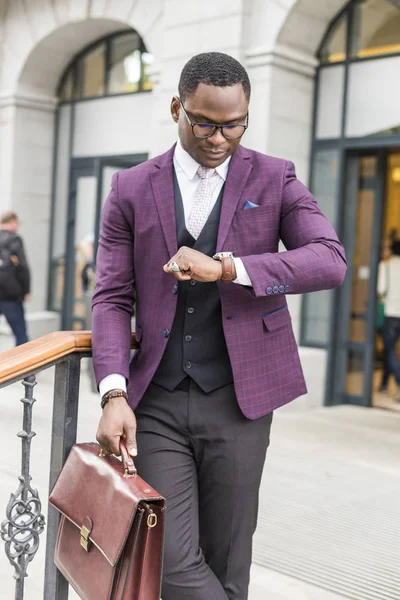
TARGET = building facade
x,y
85,89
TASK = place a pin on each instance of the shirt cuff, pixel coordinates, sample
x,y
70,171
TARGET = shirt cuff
x,y
242,276
115,381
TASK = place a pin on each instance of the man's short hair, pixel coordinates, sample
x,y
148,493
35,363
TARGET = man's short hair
x,y
212,68
8,217
396,247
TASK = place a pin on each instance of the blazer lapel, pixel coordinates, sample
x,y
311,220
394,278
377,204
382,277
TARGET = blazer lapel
x,y
163,189
238,174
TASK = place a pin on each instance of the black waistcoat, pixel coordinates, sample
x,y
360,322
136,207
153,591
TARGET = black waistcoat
x,y
196,345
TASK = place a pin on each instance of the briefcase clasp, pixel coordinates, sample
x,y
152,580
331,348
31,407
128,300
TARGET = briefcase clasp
x,y
85,541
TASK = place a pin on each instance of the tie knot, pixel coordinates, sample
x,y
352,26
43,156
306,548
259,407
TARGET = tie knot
x,y
205,173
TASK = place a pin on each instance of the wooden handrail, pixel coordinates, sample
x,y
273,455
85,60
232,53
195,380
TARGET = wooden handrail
x,y
21,360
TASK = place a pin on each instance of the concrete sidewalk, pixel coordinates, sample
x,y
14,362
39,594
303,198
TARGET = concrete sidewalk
x,y
303,446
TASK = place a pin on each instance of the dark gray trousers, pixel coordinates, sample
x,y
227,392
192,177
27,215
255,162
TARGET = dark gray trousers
x,y
206,458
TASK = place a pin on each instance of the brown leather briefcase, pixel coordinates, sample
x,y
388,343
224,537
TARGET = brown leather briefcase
x,y
110,539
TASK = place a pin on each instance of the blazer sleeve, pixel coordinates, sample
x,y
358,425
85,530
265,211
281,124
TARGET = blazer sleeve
x,y
113,297
314,258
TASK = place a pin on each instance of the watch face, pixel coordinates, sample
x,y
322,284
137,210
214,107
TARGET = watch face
x,y
221,255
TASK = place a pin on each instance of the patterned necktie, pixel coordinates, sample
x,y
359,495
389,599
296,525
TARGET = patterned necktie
x,y
202,203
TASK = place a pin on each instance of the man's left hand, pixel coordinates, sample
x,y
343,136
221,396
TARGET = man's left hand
x,y
194,265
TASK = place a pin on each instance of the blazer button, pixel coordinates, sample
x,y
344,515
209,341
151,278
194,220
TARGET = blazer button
x,y
165,333
281,289
275,289
187,364
175,289
268,290
287,288
190,310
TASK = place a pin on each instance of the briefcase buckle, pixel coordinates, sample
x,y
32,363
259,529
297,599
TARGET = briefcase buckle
x,y
85,541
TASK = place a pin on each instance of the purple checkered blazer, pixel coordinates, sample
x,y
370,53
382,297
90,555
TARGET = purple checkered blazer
x,y
138,236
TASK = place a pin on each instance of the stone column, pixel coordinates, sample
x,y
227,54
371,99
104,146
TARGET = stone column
x,y
26,162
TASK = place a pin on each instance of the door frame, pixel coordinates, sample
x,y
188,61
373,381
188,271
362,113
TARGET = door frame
x,y
337,356
85,167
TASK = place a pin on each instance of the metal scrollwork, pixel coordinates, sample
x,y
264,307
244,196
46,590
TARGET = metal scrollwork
x,y
24,520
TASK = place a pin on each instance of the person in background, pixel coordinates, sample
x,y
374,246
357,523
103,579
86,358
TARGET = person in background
x,y
389,289
14,276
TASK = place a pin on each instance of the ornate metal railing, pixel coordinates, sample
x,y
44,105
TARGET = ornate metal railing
x,y
24,521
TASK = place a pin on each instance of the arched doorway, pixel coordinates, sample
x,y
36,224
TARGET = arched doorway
x,y
102,127
39,40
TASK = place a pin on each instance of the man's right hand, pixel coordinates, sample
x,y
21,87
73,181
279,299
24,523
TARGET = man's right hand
x,y
117,421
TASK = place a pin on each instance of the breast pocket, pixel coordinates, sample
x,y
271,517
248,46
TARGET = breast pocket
x,y
256,213
254,231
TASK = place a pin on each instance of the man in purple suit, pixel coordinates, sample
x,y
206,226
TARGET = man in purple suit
x,y
192,237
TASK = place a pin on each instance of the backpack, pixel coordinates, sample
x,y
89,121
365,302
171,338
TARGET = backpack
x,y
10,287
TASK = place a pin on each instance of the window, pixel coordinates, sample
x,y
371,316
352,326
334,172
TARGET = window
x,y
373,29
119,64
334,47
376,29
317,306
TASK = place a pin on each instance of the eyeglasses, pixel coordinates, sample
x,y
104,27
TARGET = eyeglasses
x,y
206,130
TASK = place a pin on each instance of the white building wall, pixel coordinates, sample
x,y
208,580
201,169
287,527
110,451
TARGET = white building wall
x,y
275,39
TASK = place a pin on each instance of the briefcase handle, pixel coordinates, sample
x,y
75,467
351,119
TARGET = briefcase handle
x,y
127,460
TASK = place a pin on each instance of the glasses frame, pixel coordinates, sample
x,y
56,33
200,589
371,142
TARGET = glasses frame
x,y
220,127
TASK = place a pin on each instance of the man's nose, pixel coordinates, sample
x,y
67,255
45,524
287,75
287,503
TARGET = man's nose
x,y
217,138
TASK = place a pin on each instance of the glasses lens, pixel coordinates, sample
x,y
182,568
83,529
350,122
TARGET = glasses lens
x,y
203,130
232,132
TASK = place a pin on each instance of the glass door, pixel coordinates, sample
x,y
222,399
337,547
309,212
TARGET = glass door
x,y
354,346
90,184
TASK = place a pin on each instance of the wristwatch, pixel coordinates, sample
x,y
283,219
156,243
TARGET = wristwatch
x,y
228,266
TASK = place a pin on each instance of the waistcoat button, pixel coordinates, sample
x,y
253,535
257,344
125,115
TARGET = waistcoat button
x,y
188,338
187,364
190,310
192,282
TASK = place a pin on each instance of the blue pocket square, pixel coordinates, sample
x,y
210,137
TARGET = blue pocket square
x,y
249,204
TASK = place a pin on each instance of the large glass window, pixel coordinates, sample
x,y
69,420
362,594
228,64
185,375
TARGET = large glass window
x,y
119,64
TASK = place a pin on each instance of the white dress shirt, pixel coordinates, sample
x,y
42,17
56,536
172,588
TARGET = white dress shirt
x,y
188,180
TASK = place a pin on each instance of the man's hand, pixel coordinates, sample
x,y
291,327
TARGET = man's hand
x,y
117,421
194,265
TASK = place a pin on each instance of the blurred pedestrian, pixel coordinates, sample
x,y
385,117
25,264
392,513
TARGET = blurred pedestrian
x,y
14,276
389,288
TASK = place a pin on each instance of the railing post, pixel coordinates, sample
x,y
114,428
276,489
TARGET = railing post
x,y
65,416
24,522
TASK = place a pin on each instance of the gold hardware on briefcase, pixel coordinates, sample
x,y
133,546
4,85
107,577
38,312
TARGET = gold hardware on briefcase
x,y
85,541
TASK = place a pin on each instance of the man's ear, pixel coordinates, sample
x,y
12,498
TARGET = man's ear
x,y
175,108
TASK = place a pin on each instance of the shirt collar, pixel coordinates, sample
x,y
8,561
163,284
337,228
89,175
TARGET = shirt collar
x,y
189,166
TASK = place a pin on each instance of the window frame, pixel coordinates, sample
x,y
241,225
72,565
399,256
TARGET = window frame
x,y
74,68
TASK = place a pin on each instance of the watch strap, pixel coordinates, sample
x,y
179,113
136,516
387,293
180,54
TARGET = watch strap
x,y
228,269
